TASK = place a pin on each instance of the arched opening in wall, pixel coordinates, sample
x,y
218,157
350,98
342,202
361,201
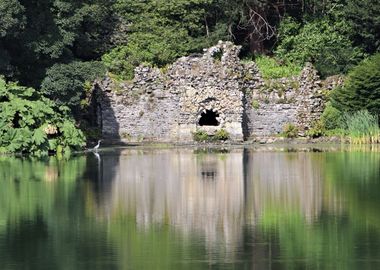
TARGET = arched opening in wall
x,y
208,118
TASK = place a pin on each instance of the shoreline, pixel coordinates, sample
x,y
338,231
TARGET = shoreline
x,y
270,140
324,144
275,144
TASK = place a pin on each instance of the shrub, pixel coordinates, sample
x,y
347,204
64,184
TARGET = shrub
x,y
270,68
33,124
152,42
255,104
317,130
361,89
331,117
200,136
65,83
290,131
221,135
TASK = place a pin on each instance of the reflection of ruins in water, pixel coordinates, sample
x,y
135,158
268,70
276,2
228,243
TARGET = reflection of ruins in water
x,y
211,194
290,182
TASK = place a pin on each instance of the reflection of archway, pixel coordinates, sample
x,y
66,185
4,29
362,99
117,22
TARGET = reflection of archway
x,y
209,169
208,118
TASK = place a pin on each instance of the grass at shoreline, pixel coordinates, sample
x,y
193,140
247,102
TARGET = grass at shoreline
x,y
363,128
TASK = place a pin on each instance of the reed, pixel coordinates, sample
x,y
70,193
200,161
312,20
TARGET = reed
x,y
362,127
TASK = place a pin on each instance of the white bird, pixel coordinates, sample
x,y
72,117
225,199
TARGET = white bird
x,y
97,146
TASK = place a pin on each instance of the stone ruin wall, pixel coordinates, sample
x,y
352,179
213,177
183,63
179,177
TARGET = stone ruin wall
x,y
139,110
298,100
165,105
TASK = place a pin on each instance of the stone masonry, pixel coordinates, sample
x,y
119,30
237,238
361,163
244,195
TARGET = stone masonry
x,y
207,93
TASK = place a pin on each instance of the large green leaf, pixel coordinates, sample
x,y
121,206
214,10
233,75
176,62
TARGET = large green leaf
x,y
39,136
24,116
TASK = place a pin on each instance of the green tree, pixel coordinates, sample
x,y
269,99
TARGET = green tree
x,y
65,83
12,17
362,88
364,19
52,31
12,20
159,32
317,41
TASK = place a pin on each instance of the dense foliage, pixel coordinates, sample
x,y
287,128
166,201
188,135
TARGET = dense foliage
x,y
33,124
330,33
361,89
65,83
35,34
320,42
59,46
159,32
332,118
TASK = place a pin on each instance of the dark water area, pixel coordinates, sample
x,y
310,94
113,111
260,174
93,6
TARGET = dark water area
x,y
188,208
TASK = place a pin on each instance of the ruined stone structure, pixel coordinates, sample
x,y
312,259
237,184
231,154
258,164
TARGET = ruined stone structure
x,y
207,92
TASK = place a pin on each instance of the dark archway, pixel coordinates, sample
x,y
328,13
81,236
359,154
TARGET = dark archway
x,y
208,118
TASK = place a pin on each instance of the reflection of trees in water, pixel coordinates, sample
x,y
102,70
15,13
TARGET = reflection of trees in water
x,y
268,206
263,210
99,174
354,179
43,222
29,186
345,234
284,183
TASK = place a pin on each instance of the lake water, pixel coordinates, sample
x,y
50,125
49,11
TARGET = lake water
x,y
237,208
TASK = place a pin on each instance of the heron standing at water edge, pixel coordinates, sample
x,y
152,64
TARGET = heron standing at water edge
x,y
97,146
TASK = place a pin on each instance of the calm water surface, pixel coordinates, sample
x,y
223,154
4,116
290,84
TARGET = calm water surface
x,y
192,209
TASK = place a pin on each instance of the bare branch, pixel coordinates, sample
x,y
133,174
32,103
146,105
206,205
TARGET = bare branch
x,y
257,26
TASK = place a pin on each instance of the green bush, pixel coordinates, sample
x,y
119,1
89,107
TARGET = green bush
x,y
361,89
290,131
270,68
200,136
33,124
65,83
331,117
221,135
317,130
320,42
255,104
